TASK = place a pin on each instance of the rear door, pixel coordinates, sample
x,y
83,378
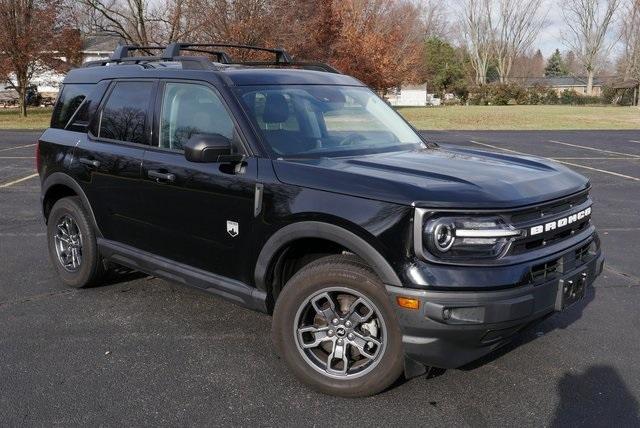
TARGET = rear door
x,y
203,215
109,159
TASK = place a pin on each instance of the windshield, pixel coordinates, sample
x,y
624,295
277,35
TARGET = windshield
x,y
325,121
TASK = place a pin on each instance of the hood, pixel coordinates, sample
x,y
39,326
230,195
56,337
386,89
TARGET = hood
x,y
437,177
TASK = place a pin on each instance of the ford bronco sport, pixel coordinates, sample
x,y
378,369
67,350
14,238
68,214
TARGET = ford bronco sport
x,y
292,189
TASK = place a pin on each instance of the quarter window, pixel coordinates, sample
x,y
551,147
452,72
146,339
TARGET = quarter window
x,y
70,98
125,114
189,109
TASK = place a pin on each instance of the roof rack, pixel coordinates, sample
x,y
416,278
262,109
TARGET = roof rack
x,y
282,57
122,51
172,52
174,49
121,56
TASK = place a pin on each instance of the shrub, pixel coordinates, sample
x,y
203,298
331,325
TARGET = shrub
x,y
571,97
506,94
550,97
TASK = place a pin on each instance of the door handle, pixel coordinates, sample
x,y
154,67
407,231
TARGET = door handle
x,y
161,176
90,162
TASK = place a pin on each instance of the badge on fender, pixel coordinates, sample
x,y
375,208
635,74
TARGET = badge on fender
x,y
233,228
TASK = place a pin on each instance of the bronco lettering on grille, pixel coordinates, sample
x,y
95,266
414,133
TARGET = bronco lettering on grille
x,y
562,222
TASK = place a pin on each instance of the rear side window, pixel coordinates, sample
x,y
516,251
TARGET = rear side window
x,y
69,100
124,116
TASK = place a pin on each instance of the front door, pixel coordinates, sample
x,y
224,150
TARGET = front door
x,y
199,214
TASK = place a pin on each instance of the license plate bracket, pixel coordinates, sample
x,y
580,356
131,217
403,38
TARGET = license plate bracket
x,y
571,289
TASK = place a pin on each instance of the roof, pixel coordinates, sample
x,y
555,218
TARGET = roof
x,y
172,63
626,84
228,75
562,81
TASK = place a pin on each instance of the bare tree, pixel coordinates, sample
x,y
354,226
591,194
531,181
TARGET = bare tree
x,y
475,24
139,22
588,22
630,36
514,30
34,37
434,18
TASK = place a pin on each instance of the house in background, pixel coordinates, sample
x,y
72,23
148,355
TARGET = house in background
x,y
560,84
411,96
94,47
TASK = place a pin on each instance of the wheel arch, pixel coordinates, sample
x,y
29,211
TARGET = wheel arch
x,y
59,185
292,233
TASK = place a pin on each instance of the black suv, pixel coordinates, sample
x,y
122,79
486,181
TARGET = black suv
x,y
292,189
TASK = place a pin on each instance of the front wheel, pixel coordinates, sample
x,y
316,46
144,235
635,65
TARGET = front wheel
x,y
335,327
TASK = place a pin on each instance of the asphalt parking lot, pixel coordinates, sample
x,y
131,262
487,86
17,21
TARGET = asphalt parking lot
x,y
144,351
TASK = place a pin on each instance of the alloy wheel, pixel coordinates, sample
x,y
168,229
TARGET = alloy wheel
x,y
68,243
340,333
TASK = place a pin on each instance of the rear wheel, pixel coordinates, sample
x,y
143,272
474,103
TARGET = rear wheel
x,y
72,244
336,329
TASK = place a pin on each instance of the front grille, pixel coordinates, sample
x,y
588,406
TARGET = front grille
x,y
525,244
545,213
551,208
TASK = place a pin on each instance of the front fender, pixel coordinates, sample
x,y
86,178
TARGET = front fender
x,y
330,232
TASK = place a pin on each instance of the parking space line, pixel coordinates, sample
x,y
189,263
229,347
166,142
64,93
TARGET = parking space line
x,y
17,147
560,161
620,229
634,141
19,180
14,234
596,158
17,157
594,149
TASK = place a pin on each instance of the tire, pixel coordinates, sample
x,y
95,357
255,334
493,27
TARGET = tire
x,y
303,317
88,269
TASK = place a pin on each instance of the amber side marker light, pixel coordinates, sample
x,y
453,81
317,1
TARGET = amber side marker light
x,y
408,303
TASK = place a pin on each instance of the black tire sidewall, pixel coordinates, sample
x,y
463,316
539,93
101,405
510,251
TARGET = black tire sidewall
x,y
308,282
90,265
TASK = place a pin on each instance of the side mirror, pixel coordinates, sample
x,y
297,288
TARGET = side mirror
x,y
206,148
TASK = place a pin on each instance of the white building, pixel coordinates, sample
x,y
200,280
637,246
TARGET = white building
x,y
94,47
411,95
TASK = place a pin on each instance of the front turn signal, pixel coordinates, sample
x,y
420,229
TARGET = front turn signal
x,y
408,303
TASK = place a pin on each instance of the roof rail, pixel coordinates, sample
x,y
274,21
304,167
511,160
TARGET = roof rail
x,y
174,49
221,57
310,65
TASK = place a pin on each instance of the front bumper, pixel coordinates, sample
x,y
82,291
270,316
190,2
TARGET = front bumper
x,y
453,328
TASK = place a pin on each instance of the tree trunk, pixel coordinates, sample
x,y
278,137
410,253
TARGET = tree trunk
x,y
23,107
21,88
589,82
22,103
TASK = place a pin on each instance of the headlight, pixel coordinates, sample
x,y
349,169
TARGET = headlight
x,y
461,237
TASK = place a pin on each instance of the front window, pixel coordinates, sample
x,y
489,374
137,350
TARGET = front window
x,y
325,121
189,109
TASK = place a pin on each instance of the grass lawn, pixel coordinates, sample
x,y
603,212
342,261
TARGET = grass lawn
x,y
37,118
454,117
522,117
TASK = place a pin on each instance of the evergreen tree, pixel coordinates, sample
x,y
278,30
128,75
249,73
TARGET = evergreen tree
x,y
444,69
555,66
